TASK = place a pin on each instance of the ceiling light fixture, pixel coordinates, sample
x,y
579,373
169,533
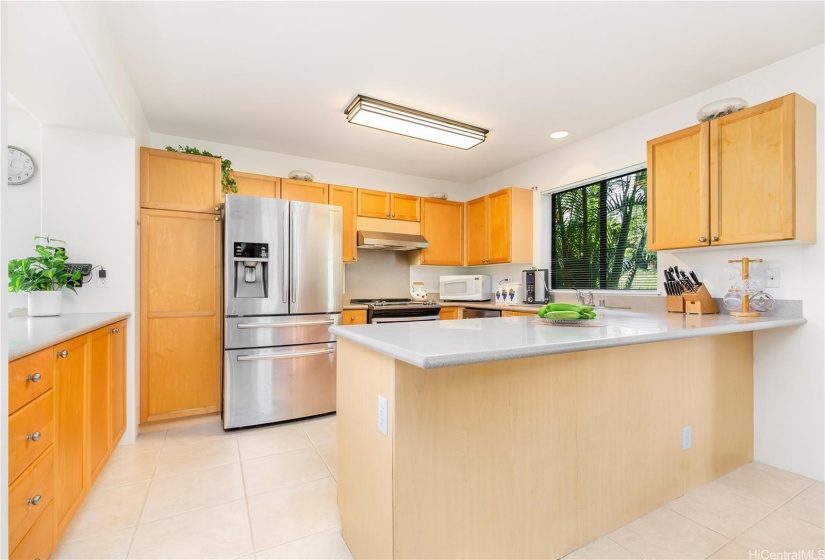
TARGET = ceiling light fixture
x,y
559,134
382,115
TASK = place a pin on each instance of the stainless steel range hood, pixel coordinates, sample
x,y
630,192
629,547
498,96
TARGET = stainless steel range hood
x,y
391,241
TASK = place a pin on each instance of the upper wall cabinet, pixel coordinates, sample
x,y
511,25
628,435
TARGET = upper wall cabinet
x,y
744,178
304,191
251,184
175,181
442,224
347,199
379,204
500,227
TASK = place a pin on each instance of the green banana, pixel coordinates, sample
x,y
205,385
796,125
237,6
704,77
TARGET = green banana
x,y
562,315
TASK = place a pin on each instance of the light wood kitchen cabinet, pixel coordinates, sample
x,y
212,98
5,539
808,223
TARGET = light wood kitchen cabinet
x,y
500,227
175,181
106,411
70,385
743,178
506,313
61,439
395,206
354,317
304,191
442,225
180,300
448,313
252,184
347,199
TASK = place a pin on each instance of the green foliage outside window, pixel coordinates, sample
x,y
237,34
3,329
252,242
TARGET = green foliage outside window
x,y
599,236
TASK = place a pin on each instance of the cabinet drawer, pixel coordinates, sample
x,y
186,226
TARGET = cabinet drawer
x,y
30,377
24,505
31,432
39,541
354,317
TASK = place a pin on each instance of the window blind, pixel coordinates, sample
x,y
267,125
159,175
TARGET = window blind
x,y
599,235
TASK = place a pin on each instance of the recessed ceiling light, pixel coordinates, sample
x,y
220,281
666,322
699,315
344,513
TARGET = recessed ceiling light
x,y
559,134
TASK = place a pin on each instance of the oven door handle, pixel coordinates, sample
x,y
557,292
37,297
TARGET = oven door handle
x,y
403,319
284,325
284,356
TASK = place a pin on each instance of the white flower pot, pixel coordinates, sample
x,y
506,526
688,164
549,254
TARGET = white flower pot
x,y
45,304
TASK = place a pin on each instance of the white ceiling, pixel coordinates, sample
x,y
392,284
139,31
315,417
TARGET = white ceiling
x,y
277,76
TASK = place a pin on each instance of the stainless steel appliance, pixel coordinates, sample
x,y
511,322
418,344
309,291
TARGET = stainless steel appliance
x,y
399,310
480,313
282,292
536,282
465,287
391,241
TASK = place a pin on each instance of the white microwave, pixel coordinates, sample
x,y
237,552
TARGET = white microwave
x,y
465,287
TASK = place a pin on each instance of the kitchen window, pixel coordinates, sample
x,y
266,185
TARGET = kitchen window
x,y
598,234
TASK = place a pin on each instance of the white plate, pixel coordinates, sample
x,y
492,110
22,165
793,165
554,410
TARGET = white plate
x,y
569,322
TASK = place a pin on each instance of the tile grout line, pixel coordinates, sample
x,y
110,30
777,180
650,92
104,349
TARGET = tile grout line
x,y
146,499
622,547
246,503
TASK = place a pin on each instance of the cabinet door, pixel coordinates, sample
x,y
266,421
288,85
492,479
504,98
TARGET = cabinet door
x,y
477,231
442,224
304,191
677,189
174,181
500,226
250,184
99,399
752,174
347,198
373,204
69,420
180,339
405,207
117,352
448,313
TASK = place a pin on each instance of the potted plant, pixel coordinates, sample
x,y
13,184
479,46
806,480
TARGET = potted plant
x,y
43,277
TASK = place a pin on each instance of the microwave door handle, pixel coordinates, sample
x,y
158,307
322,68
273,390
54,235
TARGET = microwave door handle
x,y
284,252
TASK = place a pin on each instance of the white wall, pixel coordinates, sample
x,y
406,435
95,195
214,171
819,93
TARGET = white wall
x,y
89,201
789,383
279,165
22,222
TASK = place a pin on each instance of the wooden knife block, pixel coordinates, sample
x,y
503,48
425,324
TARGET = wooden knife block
x,y
675,304
700,302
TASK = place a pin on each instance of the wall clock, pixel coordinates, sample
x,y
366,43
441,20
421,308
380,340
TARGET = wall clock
x,y
22,167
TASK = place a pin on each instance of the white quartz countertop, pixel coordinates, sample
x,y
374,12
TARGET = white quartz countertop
x,y
27,335
435,344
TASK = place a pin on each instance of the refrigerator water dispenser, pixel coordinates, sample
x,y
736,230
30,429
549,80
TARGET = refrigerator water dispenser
x,y
251,269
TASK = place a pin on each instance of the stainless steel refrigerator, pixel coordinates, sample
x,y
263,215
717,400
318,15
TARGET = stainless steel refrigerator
x,y
282,292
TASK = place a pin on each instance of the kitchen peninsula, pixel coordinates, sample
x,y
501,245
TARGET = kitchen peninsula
x,y
506,439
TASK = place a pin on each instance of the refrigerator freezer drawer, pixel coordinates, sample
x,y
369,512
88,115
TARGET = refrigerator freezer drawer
x,y
264,385
255,332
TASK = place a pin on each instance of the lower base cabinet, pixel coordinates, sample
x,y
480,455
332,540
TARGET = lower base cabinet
x,y
448,313
87,383
354,317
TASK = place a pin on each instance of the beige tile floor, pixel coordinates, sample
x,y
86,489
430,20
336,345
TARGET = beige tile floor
x,y
199,492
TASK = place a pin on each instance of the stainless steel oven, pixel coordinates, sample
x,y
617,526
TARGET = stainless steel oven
x,y
399,310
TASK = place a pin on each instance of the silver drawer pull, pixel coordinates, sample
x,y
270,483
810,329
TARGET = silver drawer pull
x,y
283,325
34,437
284,356
63,354
34,378
35,500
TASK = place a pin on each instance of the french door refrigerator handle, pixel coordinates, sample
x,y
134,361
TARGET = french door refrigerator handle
x,y
293,285
283,325
284,356
285,250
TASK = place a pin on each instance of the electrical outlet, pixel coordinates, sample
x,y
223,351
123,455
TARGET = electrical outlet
x,y
382,415
772,278
102,281
686,437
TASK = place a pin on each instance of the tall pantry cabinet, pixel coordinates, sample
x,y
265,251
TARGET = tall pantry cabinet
x,y
180,279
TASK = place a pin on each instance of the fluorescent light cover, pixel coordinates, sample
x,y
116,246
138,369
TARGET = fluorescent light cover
x,y
415,124
559,134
